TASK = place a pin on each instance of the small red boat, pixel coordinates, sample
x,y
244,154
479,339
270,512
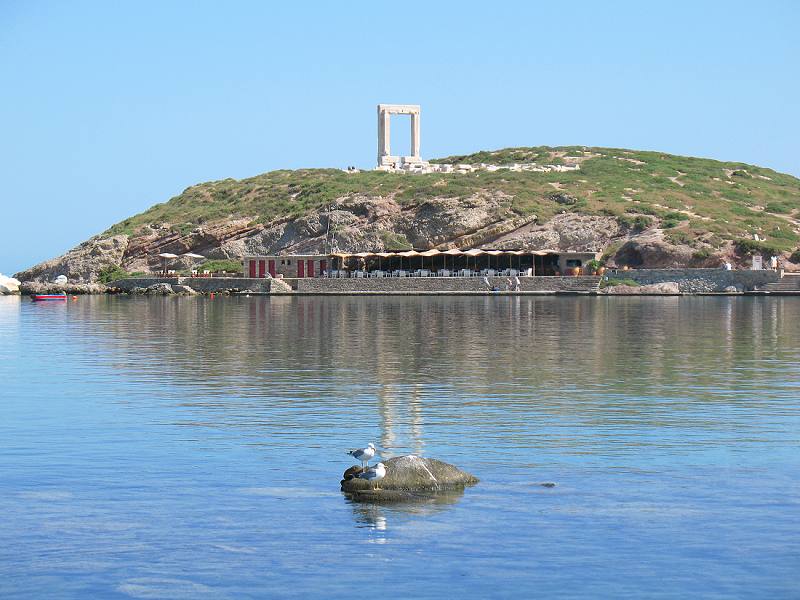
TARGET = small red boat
x,y
45,297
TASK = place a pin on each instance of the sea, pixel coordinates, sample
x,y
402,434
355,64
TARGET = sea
x,y
193,447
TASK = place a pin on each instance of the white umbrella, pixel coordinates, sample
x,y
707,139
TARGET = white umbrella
x,y
165,256
192,256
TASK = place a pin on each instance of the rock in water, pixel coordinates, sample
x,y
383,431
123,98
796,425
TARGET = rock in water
x,y
8,285
410,474
184,289
160,289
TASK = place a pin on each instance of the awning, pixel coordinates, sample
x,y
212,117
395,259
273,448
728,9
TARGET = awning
x,y
168,255
192,255
432,252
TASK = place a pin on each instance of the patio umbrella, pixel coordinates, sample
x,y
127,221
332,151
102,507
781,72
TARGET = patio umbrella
x,y
165,256
475,253
492,253
381,256
407,254
431,253
452,252
192,256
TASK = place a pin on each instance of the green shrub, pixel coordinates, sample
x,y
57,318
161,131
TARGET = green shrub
x,y
702,254
593,264
795,256
778,208
634,223
112,273
749,247
215,266
612,281
395,241
642,209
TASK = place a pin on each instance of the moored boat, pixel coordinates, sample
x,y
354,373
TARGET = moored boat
x,y
45,297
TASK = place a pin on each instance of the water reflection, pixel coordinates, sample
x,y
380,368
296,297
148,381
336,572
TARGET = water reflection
x,y
378,515
404,370
144,439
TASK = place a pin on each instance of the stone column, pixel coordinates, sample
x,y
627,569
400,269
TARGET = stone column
x,y
383,133
415,136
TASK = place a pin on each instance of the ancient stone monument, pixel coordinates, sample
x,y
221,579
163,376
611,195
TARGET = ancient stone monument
x,y
385,159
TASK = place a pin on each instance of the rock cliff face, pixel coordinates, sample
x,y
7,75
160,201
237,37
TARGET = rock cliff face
x,y
367,223
83,263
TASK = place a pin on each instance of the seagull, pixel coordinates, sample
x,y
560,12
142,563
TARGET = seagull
x,y
375,473
363,454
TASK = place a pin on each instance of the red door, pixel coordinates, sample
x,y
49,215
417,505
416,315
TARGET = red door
x,y
253,269
323,266
272,268
310,268
300,268
262,267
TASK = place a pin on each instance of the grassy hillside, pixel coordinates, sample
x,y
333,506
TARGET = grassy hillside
x,y
698,201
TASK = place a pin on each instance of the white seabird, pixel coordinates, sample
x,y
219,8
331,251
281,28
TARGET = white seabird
x,y
364,454
375,473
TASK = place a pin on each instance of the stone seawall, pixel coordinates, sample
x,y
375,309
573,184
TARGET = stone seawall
x,y
199,284
442,285
690,281
694,281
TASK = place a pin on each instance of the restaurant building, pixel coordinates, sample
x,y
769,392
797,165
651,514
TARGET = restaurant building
x,y
287,266
425,263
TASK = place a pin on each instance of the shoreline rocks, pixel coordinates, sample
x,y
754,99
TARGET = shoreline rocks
x,y
669,288
29,288
8,286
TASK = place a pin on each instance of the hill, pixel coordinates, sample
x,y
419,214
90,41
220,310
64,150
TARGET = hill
x,y
639,208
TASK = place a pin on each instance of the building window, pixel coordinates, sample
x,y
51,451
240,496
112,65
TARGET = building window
x,y
574,262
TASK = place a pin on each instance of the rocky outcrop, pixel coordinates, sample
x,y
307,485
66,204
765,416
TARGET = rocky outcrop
x,y
652,251
184,290
46,287
83,263
160,289
357,222
567,232
408,478
614,205
8,285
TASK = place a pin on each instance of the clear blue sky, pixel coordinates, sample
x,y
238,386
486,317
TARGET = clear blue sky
x,y
111,107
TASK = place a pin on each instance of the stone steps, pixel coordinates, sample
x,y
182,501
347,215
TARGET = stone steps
x,y
790,283
583,283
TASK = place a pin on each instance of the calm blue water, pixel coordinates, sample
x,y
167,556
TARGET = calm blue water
x,y
192,448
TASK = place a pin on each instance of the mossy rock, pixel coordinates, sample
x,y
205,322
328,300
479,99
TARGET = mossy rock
x,y
408,479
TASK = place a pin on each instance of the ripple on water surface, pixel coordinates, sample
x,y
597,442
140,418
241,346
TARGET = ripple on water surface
x,y
169,448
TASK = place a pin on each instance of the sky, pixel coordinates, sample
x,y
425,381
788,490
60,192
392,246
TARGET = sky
x,y
110,107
